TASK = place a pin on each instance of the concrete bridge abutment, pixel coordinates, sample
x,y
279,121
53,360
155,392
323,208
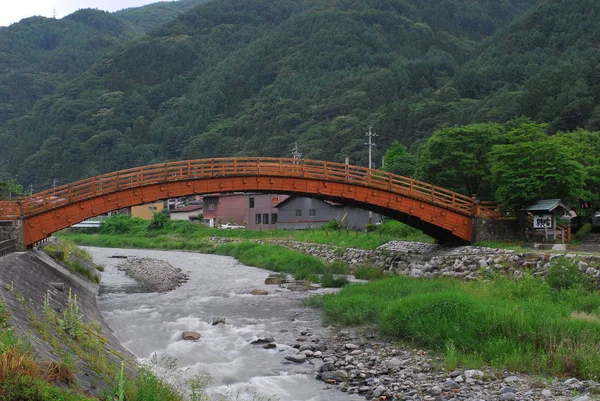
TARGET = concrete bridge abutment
x,y
485,230
11,235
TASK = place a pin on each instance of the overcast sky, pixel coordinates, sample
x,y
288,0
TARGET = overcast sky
x,y
14,10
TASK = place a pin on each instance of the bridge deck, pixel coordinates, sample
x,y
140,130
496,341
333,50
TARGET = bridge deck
x,y
313,171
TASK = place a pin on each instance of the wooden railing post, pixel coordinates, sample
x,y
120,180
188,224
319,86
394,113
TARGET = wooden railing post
x,y
476,210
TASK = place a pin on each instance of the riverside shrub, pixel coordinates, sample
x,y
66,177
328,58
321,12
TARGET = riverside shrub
x,y
564,274
123,224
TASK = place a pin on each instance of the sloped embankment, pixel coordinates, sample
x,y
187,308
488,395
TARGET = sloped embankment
x,y
26,278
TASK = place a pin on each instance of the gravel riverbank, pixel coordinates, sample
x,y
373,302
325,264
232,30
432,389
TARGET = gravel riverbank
x,y
361,363
154,274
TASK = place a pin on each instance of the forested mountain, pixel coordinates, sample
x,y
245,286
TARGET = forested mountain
x,y
154,15
546,67
38,54
235,77
250,78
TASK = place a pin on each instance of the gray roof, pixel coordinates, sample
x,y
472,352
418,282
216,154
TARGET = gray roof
x,y
190,208
546,205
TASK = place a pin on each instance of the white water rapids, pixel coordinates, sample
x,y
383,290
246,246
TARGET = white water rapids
x,y
151,324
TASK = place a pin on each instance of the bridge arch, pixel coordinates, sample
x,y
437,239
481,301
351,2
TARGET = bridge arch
x,y
443,214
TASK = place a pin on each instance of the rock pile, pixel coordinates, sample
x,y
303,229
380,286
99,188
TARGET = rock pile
x,y
362,364
430,260
154,274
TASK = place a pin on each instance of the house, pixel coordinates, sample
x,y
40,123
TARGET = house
x,y
146,211
186,213
255,211
299,213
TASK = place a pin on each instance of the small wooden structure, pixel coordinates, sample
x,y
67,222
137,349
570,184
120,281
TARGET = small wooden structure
x,y
544,215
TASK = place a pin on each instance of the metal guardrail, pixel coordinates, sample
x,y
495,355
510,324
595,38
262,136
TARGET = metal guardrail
x,y
8,246
241,167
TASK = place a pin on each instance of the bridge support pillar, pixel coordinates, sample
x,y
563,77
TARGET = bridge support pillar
x,y
13,231
497,230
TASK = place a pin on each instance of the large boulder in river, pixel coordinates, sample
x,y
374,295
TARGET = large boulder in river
x,y
190,335
259,292
219,320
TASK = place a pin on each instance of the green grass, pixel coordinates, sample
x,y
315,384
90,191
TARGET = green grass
x,y
74,258
21,377
167,242
125,231
280,259
368,272
524,325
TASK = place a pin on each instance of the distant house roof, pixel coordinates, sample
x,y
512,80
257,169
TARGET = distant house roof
x,y
283,202
546,205
190,208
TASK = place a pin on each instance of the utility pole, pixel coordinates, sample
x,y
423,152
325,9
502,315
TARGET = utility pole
x,y
296,152
30,189
54,12
370,144
54,183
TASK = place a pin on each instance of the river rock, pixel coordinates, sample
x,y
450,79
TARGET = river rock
x,y
191,335
270,346
473,374
219,320
275,280
259,292
298,358
263,340
435,390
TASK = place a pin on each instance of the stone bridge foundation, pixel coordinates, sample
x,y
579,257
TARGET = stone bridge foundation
x,y
13,231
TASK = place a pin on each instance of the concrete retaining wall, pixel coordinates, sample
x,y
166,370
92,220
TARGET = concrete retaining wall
x,y
25,278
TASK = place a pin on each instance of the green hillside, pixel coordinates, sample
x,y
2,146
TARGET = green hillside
x,y
38,54
545,67
153,15
250,78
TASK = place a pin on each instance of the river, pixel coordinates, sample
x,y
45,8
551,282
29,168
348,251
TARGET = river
x,y
150,326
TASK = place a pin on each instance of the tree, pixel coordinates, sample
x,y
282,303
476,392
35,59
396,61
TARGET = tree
x,y
9,189
531,170
457,158
399,161
585,146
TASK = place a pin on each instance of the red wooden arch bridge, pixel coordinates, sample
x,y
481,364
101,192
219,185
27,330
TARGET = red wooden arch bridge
x,y
446,215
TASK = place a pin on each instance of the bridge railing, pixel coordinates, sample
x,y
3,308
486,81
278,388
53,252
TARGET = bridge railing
x,y
10,210
231,167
